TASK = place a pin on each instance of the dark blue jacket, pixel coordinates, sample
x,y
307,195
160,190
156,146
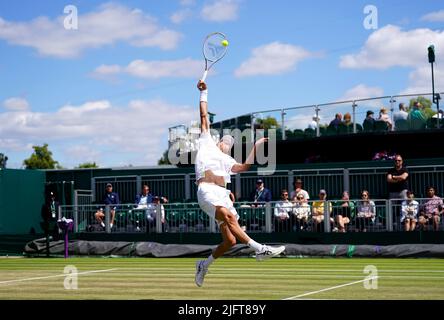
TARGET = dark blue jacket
x,y
148,200
264,196
111,198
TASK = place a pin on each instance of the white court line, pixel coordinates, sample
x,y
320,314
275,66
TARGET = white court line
x,y
56,276
331,288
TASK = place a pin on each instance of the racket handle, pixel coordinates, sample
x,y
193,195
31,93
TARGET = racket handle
x,y
204,76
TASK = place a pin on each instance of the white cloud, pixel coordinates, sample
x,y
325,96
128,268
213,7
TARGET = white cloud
x,y
187,2
420,80
300,121
362,91
437,16
221,10
181,15
83,153
139,129
183,68
110,24
390,46
16,104
272,59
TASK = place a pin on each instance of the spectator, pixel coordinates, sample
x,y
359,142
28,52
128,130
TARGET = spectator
x,y
314,123
343,211
409,211
397,179
431,210
318,210
301,211
348,119
297,183
50,216
366,212
402,114
384,116
261,194
416,118
151,213
369,121
144,198
111,199
282,211
336,121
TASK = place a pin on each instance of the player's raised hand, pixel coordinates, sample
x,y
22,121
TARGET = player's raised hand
x,y
201,85
261,141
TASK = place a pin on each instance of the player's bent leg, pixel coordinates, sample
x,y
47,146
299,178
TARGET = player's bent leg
x,y
225,215
228,241
263,252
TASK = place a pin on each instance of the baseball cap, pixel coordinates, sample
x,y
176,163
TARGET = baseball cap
x,y
228,140
322,191
369,112
109,185
259,181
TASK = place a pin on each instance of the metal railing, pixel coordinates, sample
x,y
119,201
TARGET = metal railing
x,y
294,122
312,216
182,187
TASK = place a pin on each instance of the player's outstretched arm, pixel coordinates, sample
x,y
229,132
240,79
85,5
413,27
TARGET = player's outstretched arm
x,y
241,167
205,125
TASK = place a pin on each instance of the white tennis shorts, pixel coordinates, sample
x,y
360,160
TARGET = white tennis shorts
x,y
210,195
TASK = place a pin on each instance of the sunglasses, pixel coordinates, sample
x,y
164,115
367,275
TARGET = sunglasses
x,y
285,194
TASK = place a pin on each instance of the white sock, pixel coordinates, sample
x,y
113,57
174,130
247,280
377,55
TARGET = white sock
x,y
110,225
256,246
209,261
102,224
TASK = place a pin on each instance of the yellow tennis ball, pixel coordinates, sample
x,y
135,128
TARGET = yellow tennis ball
x,y
224,43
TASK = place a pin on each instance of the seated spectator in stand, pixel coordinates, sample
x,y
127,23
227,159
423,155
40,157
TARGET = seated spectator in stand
x,y
314,123
318,210
336,121
260,195
282,211
369,121
298,189
343,212
366,212
431,210
111,199
402,114
348,120
416,117
384,116
301,212
151,213
144,198
409,212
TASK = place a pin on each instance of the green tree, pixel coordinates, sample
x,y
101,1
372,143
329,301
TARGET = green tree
x,y
164,159
426,103
87,165
268,123
41,158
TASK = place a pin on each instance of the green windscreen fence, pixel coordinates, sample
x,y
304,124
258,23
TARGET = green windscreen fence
x,y
22,194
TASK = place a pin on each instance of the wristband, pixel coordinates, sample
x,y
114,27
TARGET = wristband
x,y
204,96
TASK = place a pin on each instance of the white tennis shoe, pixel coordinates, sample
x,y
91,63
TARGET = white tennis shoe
x,y
201,271
268,252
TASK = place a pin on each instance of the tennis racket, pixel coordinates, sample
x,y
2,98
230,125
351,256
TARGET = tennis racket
x,y
213,50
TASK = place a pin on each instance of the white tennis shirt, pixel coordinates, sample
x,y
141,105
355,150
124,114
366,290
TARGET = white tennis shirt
x,y
210,157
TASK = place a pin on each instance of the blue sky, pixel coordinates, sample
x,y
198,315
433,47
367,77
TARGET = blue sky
x,y
108,90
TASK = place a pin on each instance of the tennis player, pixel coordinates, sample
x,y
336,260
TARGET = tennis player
x,y
213,167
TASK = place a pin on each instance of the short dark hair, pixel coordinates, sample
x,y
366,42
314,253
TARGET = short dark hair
x,y
430,187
